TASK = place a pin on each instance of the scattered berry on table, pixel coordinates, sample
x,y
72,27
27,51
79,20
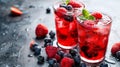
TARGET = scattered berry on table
x,y
48,10
37,51
41,59
61,53
52,34
51,51
115,48
33,47
52,61
41,31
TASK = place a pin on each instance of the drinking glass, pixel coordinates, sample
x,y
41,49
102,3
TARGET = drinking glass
x,y
66,27
93,38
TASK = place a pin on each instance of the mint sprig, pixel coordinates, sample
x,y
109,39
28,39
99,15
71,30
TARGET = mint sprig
x,y
66,1
86,15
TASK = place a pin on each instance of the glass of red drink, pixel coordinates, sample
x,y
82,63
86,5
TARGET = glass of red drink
x,y
93,37
65,21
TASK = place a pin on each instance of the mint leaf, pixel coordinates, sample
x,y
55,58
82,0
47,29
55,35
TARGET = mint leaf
x,y
67,1
85,13
91,17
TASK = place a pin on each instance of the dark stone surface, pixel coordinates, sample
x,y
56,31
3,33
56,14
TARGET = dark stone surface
x,y
17,32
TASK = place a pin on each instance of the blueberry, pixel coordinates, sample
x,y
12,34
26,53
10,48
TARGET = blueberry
x,y
118,55
56,65
52,34
40,60
68,18
48,10
34,47
69,7
77,59
83,65
103,65
52,61
47,44
61,53
37,51
67,55
73,52
48,40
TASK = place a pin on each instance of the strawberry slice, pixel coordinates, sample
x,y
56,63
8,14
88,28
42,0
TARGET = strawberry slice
x,y
75,4
61,11
51,51
16,11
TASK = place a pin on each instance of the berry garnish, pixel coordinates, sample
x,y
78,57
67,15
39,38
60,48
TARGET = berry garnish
x,y
86,15
97,15
75,4
40,60
115,48
41,31
16,11
48,10
61,11
69,7
51,51
67,62
52,34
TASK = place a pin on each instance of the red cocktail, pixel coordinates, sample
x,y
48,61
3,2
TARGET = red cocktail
x,y
93,37
65,22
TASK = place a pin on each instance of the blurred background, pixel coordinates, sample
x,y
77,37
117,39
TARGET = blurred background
x,y
17,32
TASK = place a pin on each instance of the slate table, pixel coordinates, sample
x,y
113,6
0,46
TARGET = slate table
x,y
17,32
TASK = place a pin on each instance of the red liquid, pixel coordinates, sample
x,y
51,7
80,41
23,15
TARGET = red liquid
x,y
93,40
66,30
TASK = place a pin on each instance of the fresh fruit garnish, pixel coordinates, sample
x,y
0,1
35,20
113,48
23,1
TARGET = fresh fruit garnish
x,y
97,15
86,15
41,60
41,31
115,48
68,18
75,4
61,11
69,7
16,11
51,51
67,62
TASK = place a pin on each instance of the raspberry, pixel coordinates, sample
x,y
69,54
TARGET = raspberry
x,y
97,15
115,48
75,4
67,62
57,57
41,31
51,51
61,11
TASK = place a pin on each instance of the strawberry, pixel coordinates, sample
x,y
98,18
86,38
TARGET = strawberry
x,y
67,62
75,4
51,51
97,15
61,11
41,31
115,48
15,11
32,43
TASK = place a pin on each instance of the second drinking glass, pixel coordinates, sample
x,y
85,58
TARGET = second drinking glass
x,y
65,21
